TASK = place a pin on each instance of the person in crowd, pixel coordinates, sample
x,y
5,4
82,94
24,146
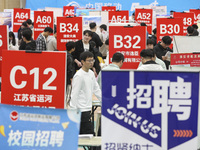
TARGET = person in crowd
x,y
132,18
70,47
30,25
95,36
148,60
162,48
23,43
144,24
13,43
24,25
27,38
117,62
190,31
84,85
196,32
154,36
104,36
41,39
52,42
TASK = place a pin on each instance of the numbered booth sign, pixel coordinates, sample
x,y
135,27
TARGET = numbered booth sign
x,y
118,16
68,29
19,16
145,16
129,41
108,8
3,42
42,19
196,14
34,79
188,19
169,27
68,11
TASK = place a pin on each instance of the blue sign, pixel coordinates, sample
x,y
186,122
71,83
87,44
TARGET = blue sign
x,y
159,109
38,128
177,5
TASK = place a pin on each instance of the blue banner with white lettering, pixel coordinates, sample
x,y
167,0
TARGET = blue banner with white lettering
x,y
30,128
150,110
177,5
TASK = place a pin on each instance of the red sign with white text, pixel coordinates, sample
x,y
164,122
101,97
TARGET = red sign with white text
x,y
129,41
188,19
68,29
3,42
193,60
42,19
118,16
19,16
196,14
108,8
68,11
145,16
28,82
169,27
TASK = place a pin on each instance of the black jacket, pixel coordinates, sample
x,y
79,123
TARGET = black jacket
x,y
70,68
96,39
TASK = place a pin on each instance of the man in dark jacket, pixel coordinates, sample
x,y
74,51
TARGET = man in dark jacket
x,y
162,48
29,43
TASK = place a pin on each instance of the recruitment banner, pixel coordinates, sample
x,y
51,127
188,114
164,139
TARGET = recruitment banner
x,y
188,19
3,42
129,41
150,110
144,16
118,16
196,14
19,16
38,128
68,11
42,19
188,59
68,29
108,8
169,27
34,79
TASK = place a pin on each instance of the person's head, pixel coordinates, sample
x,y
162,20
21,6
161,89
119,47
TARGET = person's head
x,y
118,59
166,41
195,26
154,31
87,60
29,22
70,46
92,44
93,26
133,16
12,38
107,44
150,43
47,31
103,27
87,36
143,24
27,34
147,55
24,25
190,30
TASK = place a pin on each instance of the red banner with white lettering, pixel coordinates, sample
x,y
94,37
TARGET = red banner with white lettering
x,y
129,41
108,8
19,16
68,29
169,27
28,82
196,14
3,42
68,11
42,19
118,16
189,59
188,19
145,16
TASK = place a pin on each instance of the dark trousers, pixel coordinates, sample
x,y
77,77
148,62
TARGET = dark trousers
x,y
86,123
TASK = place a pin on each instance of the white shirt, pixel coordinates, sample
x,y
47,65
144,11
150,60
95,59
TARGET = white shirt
x,y
84,85
51,43
150,67
86,46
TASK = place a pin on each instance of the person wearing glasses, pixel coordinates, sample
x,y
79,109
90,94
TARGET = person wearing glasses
x,y
84,85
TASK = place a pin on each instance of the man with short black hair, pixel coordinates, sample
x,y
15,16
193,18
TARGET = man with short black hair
x,y
84,85
190,31
41,40
196,32
28,43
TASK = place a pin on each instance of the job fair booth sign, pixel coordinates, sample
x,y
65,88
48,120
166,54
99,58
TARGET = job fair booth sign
x,y
42,19
68,11
150,110
128,40
34,79
118,16
38,128
68,29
